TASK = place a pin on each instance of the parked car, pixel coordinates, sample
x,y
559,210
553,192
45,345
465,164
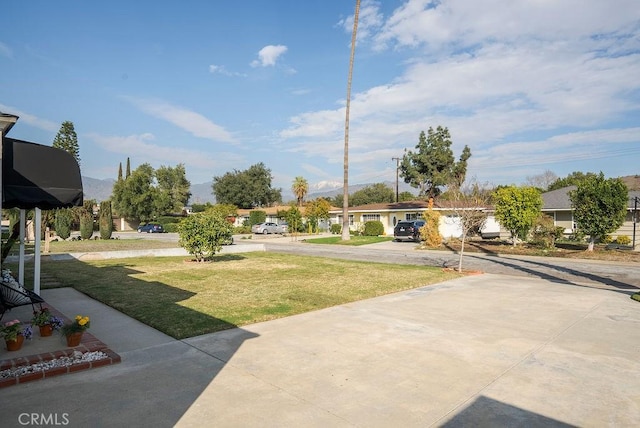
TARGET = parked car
x,y
151,228
268,227
408,230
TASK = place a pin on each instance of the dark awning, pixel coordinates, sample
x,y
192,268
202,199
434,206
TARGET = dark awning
x,y
37,176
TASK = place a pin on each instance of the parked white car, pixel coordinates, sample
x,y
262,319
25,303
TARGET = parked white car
x,y
268,227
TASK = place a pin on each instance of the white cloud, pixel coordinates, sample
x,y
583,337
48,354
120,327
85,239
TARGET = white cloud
x,y
190,121
143,146
268,55
220,69
44,124
5,50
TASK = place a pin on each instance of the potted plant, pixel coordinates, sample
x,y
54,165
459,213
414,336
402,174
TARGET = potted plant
x,y
14,334
73,330
46,322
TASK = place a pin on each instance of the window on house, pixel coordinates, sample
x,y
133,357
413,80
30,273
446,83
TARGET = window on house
x,y
411,216
370,217
350,219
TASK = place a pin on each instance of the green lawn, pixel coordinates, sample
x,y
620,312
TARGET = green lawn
x,y
184,299
354,240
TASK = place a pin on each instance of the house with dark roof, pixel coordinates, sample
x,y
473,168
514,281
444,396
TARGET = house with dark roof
x,y
557,204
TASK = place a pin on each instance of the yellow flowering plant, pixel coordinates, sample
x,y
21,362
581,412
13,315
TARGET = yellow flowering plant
x,y
78,325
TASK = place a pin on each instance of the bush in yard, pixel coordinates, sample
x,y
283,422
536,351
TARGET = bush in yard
x,y
63,223
257,217
373,228
86,224
430,232
623,240
105,220
336,229
242,230
203,234
545,232
171,227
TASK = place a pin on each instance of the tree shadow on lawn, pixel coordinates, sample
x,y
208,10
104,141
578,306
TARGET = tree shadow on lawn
x,y
156,384
621,287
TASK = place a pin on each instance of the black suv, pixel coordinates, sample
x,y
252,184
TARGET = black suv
x,y
409,230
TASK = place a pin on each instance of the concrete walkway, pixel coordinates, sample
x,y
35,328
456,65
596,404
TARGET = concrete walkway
x,y
487,350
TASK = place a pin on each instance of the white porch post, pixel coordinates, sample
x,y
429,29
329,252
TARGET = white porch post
x,y
23,221
36,251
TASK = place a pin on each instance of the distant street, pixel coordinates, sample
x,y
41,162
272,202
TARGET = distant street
x,y
614,275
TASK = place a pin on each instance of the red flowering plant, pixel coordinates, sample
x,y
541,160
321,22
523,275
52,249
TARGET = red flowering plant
x,y
44,317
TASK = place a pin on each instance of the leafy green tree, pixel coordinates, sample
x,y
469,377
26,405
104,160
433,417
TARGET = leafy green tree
x,y
517,208
316,210
135,197
300,187
375,193
200,208
173,188
432,165
63,221
67,140
203,234
406,196
293,217
600,206
225,210
572,179
105,220
246,189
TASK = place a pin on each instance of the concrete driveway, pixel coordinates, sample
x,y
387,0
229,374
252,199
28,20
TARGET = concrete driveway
x,y
486,350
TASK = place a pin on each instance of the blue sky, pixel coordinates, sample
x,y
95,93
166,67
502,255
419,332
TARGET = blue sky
x,y
219,85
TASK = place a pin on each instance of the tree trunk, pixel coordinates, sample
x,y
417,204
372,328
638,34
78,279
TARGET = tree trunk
x,y
464,235
592,241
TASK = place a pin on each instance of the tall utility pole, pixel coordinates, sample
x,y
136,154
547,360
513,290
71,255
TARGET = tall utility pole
x,y
635,220
397,167
345,190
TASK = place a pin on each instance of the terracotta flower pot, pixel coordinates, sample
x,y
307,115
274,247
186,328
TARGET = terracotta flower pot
x,y
15,345
46,330
74,339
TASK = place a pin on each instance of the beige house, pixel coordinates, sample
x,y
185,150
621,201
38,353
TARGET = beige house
x,y
389,214
558,205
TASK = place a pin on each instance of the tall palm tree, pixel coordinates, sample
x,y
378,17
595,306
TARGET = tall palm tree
x,y
300,187
345,198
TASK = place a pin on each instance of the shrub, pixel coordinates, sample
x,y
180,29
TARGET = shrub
x,y
373,228
430,232
86,224
336,229
105,220
63,223
171,227
203,234
242,230
545,232
257,217
167,219
623,240
606,239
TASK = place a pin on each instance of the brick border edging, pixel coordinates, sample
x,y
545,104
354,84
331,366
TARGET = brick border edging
x,y
89,343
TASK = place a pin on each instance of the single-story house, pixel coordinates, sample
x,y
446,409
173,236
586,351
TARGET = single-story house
x,y
557,204
391,213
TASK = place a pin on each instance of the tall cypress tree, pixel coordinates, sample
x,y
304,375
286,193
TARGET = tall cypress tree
x,y
128,169
120,171
67,140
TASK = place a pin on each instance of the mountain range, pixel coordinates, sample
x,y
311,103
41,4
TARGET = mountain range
x,y
100,190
